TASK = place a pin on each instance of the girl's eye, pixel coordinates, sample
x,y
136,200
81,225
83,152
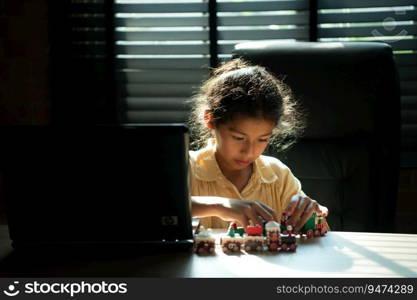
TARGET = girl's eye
x,y
264,140
238,138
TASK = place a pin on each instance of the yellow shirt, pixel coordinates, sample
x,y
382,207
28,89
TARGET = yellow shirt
x,y
271,182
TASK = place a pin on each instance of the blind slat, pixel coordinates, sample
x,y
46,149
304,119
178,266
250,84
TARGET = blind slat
x,y
409,102
257,34
408,88
163,49
366,31
409,116
160,63
404,44
229,6
301,18
151,116
158,90
161,7
226,48
156,103
377,16
406,60
162,76
409,131
331,4
408,74
161,21
161,35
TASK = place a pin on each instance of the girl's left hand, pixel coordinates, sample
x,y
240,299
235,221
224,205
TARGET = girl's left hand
x,y
300,210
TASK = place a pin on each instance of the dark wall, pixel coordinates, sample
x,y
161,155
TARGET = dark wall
x,y
24,90
23,62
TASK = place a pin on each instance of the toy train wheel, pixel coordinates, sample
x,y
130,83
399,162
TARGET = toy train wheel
x,y
273,246
310,234
317,232
284,247
259,248
248,248
236,248
293,247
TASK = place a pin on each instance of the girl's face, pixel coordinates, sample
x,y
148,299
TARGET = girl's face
x,y
241,141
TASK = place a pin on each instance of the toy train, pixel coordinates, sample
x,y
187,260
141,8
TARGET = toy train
x,y
273,236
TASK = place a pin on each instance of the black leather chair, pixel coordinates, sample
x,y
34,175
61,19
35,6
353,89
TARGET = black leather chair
x,y
348,158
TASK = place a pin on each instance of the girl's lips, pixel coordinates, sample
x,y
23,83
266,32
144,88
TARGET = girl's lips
x,y
242,163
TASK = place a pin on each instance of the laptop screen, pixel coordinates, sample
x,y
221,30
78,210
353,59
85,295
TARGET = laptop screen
x,y
124,183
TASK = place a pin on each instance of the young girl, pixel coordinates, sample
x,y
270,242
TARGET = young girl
x,y
237,113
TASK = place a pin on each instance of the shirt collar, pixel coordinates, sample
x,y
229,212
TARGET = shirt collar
x,y
206,167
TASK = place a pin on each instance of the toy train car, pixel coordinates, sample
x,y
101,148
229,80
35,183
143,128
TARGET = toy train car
x,y
288,242
314,227
204,242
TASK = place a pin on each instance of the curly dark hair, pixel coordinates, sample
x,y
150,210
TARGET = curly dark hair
x,y
240,88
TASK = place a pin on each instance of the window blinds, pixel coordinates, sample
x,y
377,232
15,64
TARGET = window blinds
x,y
163,47
389,21
241,21
162,54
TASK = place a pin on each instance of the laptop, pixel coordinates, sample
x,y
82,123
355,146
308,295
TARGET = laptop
x,y
108,185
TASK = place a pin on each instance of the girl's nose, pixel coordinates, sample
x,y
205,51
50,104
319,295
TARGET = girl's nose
x,y
247,148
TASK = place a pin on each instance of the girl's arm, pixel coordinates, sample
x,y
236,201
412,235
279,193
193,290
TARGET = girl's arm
x,y
228,209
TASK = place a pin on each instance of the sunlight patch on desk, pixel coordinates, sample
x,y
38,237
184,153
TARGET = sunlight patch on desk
x,y
376,256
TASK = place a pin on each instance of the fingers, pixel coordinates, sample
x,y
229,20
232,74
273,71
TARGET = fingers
x,y
243,220
264,211
271,212
306,215
252,214
293,204
245,211
299,210
322,210
326,226
256,211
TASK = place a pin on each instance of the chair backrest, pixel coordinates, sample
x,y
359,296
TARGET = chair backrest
x,y
348,158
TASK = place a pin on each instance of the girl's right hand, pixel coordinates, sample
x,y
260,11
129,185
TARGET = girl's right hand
x,y
236,210
301,208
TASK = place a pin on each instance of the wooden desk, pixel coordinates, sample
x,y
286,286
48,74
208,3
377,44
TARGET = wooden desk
x,y
339,254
